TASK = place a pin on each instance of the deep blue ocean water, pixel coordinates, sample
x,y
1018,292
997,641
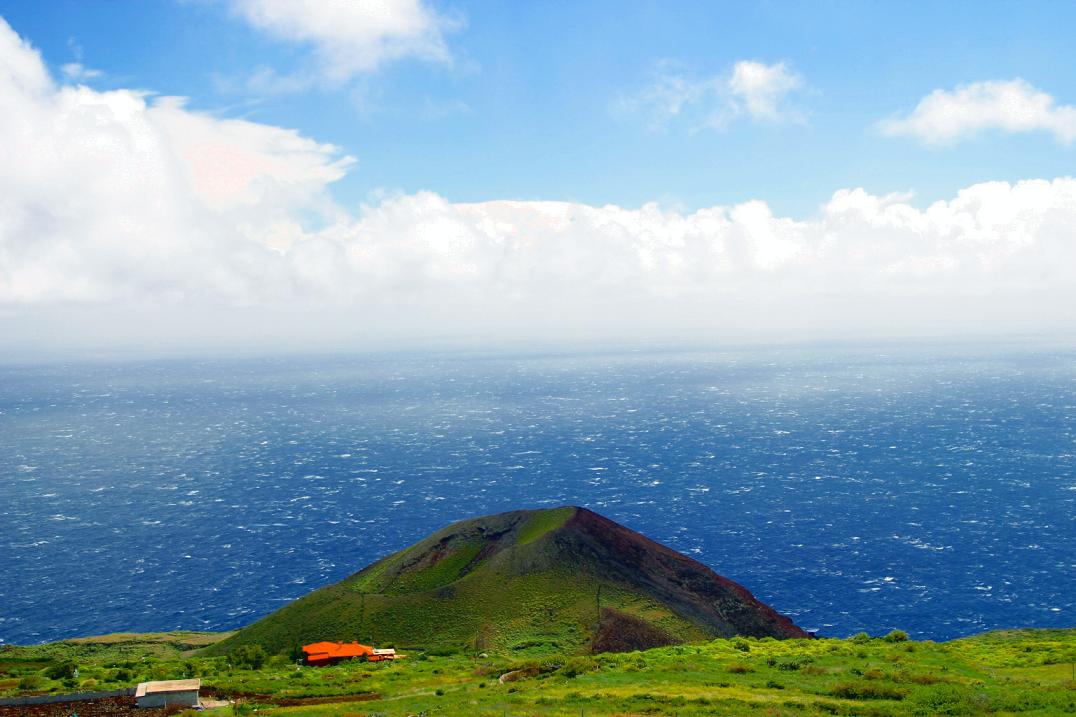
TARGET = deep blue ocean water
x,y
929,489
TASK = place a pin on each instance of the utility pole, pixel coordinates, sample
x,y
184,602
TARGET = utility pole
x,y
598,603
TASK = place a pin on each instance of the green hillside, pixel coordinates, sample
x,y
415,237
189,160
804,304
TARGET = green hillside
x,y
564,578
1022,672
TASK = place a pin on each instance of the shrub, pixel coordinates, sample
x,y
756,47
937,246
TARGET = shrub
x,y
575,666
866,691
440,692
62,671
774,685
550,665
443,651
793,664
741,644
944,699
32,682
739,668
280,660
251,657
896,636
860,637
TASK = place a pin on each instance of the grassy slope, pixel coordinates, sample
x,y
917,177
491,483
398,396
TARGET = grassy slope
x,y
541,608
518,577
518,593
1026,672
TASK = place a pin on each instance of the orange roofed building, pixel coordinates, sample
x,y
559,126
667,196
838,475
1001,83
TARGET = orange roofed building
x,y
328,653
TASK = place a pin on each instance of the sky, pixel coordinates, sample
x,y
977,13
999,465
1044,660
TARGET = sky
x,y
263,175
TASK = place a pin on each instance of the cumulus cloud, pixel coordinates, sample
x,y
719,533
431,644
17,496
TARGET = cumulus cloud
x,y
115,195
1011,106
349,38
125,217
750,89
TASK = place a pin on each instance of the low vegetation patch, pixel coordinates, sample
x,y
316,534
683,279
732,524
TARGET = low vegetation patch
x,y
990,674
621,632
867,691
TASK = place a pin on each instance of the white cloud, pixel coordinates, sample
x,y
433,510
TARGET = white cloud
x,y
77,72
762,88
108,196
347,37
752,89
130,219
944,117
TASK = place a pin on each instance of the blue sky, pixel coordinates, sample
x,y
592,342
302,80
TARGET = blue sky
x,y
527,106
346,173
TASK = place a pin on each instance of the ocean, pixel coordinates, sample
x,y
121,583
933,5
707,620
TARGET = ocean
x,y
928,488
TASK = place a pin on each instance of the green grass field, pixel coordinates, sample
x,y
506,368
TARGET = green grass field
x,y
1025,672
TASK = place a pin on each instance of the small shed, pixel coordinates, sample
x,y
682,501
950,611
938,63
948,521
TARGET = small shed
x,y
183,693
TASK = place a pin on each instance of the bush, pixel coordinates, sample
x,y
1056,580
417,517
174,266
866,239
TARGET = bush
x,y
443,651
739,668
896,636
62,671
944,700
32,682
860,637
793,664
251,657
575,666
741,644
280,660
866,691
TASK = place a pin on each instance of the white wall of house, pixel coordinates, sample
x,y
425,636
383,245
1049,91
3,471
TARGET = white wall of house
x,y
186,698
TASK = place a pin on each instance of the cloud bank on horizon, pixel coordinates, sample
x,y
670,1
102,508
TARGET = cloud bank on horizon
x,y
124,215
